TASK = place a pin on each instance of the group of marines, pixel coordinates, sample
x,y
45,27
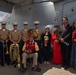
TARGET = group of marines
x,y
25,39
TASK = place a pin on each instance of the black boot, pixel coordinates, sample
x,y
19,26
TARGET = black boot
x,y
36,68
22,68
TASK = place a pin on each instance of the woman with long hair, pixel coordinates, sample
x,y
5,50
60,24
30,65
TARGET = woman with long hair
x,y
57,57
73,51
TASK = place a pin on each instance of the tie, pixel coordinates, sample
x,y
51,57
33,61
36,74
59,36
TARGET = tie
x,y
64,27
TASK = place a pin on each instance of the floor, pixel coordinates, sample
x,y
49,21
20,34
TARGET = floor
x,y
46,70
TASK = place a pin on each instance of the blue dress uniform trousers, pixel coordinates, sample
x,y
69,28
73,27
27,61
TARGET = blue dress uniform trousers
x,y
4,57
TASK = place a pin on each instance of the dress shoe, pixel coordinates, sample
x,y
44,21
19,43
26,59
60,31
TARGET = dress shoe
x,y
63,65
36,69
8,63
23,69
2,64
66,67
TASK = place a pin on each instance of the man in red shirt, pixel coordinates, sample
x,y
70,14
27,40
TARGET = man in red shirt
x,y
30,50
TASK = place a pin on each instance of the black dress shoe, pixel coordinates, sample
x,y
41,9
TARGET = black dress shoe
x,y
63,65
20,69
8,63
23,69
74,67
66,67
15,65
40,62
36,69
12,62
2,64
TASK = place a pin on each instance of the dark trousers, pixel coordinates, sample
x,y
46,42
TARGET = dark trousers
x,y
66,50
21,46
4,57
46,53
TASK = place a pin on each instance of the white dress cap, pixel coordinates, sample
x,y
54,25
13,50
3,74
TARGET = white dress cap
x,y
15,23
25,22
36,22
3,22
